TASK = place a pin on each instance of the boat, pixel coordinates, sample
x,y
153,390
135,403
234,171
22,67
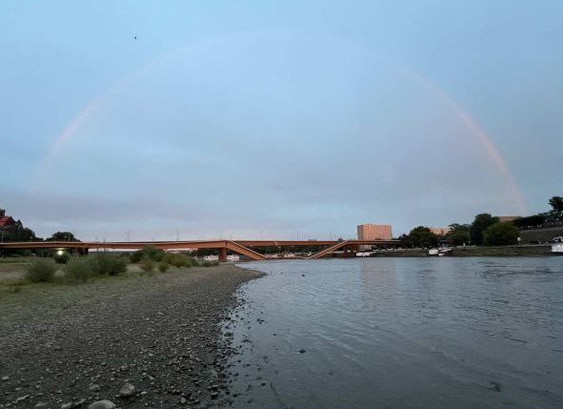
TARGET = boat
x,y
557,246
439,252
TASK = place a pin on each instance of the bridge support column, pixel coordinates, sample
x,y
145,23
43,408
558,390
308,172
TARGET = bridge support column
x,y
223,254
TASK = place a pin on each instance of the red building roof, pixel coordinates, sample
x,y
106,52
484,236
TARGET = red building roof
x,y
6,221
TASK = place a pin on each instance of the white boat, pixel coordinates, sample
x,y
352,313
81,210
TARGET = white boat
x,y
557,247
441,252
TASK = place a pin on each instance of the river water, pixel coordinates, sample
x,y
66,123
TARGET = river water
x,y
400,333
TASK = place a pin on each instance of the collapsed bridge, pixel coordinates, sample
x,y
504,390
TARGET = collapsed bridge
x,y
247,248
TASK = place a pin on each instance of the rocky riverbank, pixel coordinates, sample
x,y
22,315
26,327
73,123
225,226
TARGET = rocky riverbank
x,y
134,342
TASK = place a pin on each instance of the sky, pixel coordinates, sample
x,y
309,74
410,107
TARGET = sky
x,y
141,120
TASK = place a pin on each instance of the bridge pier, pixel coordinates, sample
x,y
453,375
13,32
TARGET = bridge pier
x,y
223,254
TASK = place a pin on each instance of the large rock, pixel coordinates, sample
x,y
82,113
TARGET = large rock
x,y
127,390
102,404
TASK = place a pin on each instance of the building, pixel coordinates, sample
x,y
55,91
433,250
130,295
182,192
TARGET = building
x,y
440,231
7,225
507,218
375,232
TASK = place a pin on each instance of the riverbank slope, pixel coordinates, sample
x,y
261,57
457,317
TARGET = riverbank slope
x,y
69,344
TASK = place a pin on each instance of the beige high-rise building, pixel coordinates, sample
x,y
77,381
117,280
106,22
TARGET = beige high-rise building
x,y
375,232
440,231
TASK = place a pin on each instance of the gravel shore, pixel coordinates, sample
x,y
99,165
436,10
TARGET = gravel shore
x,y
137,341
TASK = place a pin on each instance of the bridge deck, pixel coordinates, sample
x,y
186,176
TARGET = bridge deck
x,y
243,247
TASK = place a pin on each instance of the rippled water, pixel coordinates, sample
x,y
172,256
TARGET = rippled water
x,y
401,333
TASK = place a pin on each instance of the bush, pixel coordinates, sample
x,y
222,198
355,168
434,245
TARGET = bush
x,y
41,270
147,265
62,258
163,266
499,234
148,252
79,269
207,263
110,264
180,260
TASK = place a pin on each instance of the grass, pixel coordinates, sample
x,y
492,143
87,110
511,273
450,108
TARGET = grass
x,y
41,271
79,269
14,284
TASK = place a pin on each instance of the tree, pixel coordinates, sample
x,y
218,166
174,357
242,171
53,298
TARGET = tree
x,y
499,234
459,234
62,236
405,241
419,237
480,224
556,202
530,221
24,234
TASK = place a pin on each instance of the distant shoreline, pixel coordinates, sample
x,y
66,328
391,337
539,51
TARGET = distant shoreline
x,y
539,250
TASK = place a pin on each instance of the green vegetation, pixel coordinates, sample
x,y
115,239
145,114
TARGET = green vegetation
x,y
500,234
459,234
419,237
181,260
480,224
530,221
41,270
163,266
105,263
79,269
556,203
148,252
62,257
147,265
62,236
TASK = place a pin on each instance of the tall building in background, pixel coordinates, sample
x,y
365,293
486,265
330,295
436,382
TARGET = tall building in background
x,y
375,232
440,231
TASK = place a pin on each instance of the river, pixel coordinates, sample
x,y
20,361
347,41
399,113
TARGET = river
x,y
400,333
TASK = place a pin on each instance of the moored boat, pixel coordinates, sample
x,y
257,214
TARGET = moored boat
x,y
557,247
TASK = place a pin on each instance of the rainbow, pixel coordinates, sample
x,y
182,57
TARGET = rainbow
x,y
469,122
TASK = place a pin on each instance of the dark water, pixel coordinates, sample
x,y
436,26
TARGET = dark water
x,y
401,333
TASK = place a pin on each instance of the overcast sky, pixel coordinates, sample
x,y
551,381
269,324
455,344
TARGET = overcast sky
x,y
277,119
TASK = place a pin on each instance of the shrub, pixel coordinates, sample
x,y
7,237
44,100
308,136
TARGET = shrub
x,y
148,252
207,263
62,257
500,234
79,269
180,260
41,270
147,265
163,266
110,264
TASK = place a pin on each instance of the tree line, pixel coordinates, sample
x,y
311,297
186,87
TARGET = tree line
x,y
484,230
18,232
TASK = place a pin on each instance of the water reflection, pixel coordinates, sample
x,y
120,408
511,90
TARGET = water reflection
x,y
406,333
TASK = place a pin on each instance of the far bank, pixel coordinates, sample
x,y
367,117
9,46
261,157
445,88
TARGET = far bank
x,y
471,251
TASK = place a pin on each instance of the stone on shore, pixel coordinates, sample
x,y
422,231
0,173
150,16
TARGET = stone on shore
x,y
127,390
102,404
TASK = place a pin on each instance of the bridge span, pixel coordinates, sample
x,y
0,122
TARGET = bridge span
x,y
246,248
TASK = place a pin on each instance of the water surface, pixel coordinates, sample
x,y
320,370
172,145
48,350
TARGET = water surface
x,y
401,333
